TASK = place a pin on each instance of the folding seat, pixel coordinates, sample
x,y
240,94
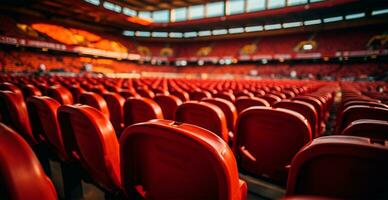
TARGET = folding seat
x,y
145,93
128,93
205,115
270,98
353,113
318,107
42,111
14,114
243,93
278,94
22,176
225,95
76,91
341,167
182,95
228,109
163,159
90,139
370,128
61,94
259,92
267,139
30,90
243,103
98,89
96,101
199,94
140,109
115,104
364,103
168,104
6,86
303,108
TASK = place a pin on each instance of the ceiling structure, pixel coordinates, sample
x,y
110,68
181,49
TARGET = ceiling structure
x,y
79,14
151,5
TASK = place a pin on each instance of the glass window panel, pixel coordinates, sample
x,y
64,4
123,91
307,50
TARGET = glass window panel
x,y
215,9
145,14
255,5
276,4
236,6
161,16
129,12
296,2
180,14
197,11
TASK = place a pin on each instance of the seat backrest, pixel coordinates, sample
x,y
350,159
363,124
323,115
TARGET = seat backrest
x,y
89,137
171,160
267,139
96,101
6,86
370,128
353,113
168,104
115,104
61,94
271,98
42,111
21,175
227,108
146,93
343,167
225,95
30,90
303,108
199,94
205,115
243,103
14,114
76,91
140,109
182,95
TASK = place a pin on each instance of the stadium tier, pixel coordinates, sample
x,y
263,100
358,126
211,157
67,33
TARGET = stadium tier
x,y
193,100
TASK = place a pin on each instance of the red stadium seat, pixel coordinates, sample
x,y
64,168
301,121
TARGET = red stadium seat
x,y
225,95
342,167
169,160
44,123
76,91
96,101
15,115
145,93
205,115
140,109
199,94
318,107
61,94
182,95
128,93
375,129
89,138
10,87
303,108
227,108
353,113
22,176
267,139
270,98
168,104
243,103
30,90
115,104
